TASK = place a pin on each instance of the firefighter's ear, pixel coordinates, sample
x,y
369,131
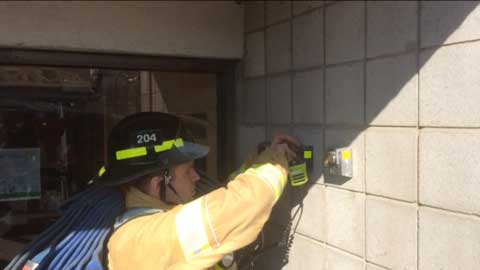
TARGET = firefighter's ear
x,y
154,186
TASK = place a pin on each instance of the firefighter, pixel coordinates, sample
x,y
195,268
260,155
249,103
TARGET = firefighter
x,y
151,158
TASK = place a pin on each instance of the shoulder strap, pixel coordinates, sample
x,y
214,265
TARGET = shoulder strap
x,y
134,213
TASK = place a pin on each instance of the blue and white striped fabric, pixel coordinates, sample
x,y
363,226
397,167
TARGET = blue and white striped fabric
x,y
77,239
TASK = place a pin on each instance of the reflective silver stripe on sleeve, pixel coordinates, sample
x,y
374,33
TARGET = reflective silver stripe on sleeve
x,y
191,231
273,177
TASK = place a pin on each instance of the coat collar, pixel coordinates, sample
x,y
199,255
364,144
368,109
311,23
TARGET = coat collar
x,y
134,198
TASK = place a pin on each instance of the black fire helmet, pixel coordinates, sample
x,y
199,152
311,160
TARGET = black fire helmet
x,y
145,143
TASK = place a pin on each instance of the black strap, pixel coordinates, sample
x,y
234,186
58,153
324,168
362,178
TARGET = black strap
x,y
163,189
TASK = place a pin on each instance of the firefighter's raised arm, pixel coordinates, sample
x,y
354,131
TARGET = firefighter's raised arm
x,y
198,234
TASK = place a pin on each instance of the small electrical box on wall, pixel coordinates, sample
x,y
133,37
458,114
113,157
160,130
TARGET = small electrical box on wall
x,y
338,162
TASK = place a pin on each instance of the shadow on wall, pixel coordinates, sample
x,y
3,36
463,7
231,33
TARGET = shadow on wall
x,y
391,93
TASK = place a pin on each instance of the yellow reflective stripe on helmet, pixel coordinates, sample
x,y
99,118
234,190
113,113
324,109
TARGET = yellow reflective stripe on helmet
x,y
131,153
102,171
179,142
142,151
191,230
273,177
167,145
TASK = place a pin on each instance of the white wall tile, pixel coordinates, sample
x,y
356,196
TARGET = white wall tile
x,y
312,221
444,22
280,99
391,26
391,162
303,6
391,233
448,241
337,260
308,40
306,254
248,138
392,86
345,226
254,54
254,101
308,97
279,48
345,94
254,15
449,169
278,10
277,129
450,79
345,31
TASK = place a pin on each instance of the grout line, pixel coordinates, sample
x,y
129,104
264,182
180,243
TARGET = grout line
x,y
320,125
303,13
331,3
241,118
276,23
384,197
292,16
337,249
379,57
350,126
449,44
392,126
278,74
326,244
386,55
343,250
457,212
252,124
309,11
324,84
417,253
340,188
418,62
254,77
292,74
309,68
310,237
324,66
391,55
377,265
365,70
417,199
450,127
343,63
255,30
324,117
266,78
365,136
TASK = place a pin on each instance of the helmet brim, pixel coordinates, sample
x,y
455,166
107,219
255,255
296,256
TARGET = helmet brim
x,y
176,156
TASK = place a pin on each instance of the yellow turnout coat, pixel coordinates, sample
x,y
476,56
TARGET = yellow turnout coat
x,y
198,234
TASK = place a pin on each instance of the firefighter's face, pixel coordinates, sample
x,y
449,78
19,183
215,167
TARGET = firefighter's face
x,y
184,180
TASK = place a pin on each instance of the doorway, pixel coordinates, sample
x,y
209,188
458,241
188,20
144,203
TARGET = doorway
x,y
54,123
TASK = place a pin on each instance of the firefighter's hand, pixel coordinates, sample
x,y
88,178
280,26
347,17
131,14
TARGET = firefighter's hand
x,y
286,145
279,153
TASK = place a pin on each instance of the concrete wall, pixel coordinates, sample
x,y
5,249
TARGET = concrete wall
x,y
399,83
177,28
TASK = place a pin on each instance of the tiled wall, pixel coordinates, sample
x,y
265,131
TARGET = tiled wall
x,y
399,82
